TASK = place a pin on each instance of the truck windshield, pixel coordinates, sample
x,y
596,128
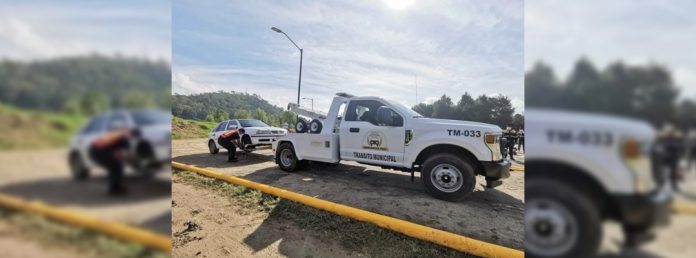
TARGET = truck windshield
x,y
407,110
252,123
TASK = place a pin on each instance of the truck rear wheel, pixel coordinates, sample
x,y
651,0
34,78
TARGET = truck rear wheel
x,y
559,221
286,158
448,177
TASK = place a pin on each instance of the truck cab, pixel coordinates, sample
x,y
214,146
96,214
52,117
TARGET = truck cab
x,y
583,169
371,130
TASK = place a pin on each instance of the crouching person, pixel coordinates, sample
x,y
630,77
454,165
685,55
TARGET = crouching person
x,y
230,140
110,151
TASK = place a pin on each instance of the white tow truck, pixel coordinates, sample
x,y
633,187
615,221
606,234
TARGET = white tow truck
x,y
583,169
370,130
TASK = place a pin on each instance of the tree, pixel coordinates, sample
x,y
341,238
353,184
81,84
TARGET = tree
x,y
518,121
261,115
242,114
443,108
540,86
496,110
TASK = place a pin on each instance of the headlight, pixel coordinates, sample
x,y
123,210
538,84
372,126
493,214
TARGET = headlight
x,y
636,156
263,132
492,141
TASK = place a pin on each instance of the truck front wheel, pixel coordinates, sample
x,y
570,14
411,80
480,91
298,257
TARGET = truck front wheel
x,y
559,221
286,158
448,177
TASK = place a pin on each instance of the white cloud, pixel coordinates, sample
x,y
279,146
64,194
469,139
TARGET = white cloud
x,y
41,30
638,32
362,48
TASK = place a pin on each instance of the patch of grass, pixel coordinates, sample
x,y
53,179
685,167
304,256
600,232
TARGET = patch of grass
x,y
40,229
190,129
29,129
354,235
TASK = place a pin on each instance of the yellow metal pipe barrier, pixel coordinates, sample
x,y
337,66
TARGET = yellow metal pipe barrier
x,y
444,238
144,237
684,207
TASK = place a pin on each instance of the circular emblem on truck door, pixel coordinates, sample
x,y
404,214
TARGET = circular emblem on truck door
x,y
375,140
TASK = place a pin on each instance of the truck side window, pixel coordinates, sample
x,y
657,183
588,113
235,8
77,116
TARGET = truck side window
x,y
363,110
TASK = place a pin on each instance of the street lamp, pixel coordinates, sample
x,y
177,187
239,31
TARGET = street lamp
x,y
312,102
299,81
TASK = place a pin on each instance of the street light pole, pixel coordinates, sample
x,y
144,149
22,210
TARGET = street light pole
x,y
311,99
299,81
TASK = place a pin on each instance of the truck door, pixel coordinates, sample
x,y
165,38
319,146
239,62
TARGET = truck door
x,y
363,139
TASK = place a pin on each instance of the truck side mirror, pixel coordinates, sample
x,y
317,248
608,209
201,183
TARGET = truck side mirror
x,y
384,116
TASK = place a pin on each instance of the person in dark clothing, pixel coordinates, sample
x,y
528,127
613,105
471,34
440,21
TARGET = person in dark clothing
x,y
672,149
510,139
520,140
230,140
110,152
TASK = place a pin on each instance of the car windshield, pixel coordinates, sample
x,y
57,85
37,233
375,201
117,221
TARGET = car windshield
x,y
407,110
252,123
151,117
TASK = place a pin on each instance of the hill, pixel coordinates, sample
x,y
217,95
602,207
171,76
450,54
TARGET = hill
x,y
218,106
190,129
23,129
85,84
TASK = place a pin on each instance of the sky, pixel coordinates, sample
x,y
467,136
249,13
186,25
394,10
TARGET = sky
x,y
366,48
636,32
37,30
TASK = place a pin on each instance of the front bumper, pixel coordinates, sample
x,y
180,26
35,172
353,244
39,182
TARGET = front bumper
x,y
258,140
646,211
496,170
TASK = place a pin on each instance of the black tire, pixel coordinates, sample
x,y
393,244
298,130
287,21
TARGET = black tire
x,y
212,148
448,166
78,169
145,163
581,214
301,126
315,126
246,140
288,163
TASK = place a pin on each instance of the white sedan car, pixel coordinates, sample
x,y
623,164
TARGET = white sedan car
x,y
256,133
152,150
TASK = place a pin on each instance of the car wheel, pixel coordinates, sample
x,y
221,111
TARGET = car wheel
x,y
559,221
286,158
145,163
212,147
448,177
301,126
315,126
78,169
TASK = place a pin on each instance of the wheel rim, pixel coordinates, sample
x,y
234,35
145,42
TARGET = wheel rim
x,y
286,157
314,127
447,178
550,228
211,146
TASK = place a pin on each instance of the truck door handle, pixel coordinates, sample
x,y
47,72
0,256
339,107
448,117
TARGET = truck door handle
x,y
354,130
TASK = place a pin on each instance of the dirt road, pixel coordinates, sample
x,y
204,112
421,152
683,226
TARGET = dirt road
x,y
44,175
216,226
492,215
674,240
